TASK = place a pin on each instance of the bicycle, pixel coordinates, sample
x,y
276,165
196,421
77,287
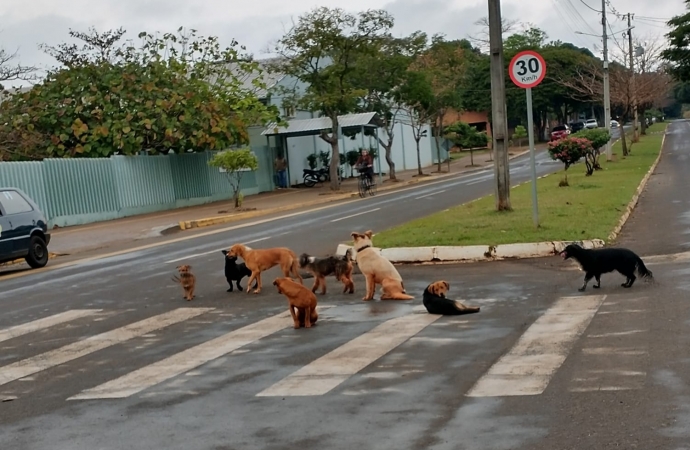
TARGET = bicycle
x,y
365,184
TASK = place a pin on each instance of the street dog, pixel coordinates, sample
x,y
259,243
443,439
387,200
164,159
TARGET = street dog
x,y
235,272
301,302
187,280
596,262
263,259
331,265
377,270
435,301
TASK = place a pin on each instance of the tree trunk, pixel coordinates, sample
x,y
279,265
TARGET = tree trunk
x,y
438,149
419,160
389,160
471,158
624,144
335,165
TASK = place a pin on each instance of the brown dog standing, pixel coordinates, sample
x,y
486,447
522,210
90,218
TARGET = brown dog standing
x,y
300,298
377,270
263,259
187,280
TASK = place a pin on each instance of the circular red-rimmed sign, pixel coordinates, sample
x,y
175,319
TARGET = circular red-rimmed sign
x,y
527,69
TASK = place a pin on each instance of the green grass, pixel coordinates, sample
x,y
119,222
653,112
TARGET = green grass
x,y
589,208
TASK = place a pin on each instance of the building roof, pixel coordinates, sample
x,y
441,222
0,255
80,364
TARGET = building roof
x,y
310,127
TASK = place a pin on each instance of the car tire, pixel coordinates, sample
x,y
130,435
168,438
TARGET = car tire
x,y
38,253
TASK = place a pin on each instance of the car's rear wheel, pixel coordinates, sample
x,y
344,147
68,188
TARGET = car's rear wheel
x,y
38,253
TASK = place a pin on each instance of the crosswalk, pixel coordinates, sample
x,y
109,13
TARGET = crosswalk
x,y
525,369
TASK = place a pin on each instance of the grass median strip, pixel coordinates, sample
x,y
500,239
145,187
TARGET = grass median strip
x,y
589,208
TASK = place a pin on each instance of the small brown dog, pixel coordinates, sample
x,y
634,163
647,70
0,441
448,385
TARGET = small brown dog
x,y
187,280
377,270
263,259
435,301
300,298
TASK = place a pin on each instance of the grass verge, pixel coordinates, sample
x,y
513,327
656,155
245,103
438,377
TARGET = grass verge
x,y
588,209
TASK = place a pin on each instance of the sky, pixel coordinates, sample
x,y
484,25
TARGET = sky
x,y
24,24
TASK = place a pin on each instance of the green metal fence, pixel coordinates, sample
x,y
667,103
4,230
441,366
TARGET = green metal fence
x,y
80,191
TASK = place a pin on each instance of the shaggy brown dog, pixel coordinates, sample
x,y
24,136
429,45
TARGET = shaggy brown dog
x,y
332,265
435,301
187,280
300,298
263,259
377,270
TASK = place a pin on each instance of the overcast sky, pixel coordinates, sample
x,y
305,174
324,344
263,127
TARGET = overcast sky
x,y
24,24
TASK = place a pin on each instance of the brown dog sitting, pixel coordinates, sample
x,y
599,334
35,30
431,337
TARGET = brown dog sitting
x,y
301,299
377,270
187,280
263,259
435,301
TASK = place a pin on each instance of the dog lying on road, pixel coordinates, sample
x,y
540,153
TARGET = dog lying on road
x,y
332,265
604,260
435,301
301,302
187,280
235,272
377,270
263,259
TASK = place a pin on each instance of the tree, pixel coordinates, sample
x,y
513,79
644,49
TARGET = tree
x,y
519,134
11,71
322,51
466,137
380,74
481,39
598,138
173,93
677,55
235,163
445,66
417,96
568,151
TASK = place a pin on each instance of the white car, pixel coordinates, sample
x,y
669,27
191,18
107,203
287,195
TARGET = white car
x,y
614,124
591,123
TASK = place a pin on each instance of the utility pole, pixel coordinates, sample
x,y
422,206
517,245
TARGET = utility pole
x,y
636,136
607,92
499,108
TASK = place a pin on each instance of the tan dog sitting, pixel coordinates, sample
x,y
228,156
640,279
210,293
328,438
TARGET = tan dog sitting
x,y
187,280
301,302
435,301
377,270
263,259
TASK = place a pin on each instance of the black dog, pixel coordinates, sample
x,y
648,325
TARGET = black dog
x,y
604,260
435,301
235,272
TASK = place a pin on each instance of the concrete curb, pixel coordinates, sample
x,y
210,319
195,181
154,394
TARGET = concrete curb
x,y
16,262
210,221
636,198
473,253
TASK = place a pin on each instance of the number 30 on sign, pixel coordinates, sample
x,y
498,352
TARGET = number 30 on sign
x,y
527,69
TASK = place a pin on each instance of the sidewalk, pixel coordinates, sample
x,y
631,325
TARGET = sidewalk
x,y
101,235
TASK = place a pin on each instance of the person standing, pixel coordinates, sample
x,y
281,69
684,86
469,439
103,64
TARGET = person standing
x,y
281,170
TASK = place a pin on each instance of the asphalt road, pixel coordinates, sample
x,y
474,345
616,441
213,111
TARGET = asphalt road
x,y
105,354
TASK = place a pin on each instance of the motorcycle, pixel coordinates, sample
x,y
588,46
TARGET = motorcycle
x,y
311,177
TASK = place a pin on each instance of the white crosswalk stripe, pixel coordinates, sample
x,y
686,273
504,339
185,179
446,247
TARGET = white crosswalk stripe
x,y
70,352
46,322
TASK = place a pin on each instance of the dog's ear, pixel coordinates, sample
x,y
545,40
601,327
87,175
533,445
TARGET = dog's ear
x,y
354,235
447,285
369,233
432,288
225,252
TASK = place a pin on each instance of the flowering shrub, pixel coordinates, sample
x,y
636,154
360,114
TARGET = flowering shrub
x,y
599,137
569,150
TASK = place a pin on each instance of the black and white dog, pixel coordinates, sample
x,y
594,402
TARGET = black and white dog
x,y
596,262
235,272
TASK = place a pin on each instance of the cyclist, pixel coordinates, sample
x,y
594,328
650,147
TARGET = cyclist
x,y
365,165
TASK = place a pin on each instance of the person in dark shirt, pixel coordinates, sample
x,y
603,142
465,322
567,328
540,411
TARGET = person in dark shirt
x,y
365,164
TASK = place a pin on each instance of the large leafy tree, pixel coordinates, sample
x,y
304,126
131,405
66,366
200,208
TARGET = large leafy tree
x,y
381,74
322,51
416,96
178,92
678,52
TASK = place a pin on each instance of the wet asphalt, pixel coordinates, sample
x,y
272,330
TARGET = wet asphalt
x,y
410,398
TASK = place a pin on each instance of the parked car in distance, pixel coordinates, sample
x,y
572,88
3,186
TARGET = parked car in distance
x,y
592,123
23,229
559,132
577,126
614,124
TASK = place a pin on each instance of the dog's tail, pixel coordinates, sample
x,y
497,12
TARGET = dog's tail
x,y
295,270
400,296
643,271
176,280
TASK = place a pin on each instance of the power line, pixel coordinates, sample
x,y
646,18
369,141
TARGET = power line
x,y
567,18
595,10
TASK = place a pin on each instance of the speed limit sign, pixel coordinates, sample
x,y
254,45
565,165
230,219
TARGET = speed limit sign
x,y
527,69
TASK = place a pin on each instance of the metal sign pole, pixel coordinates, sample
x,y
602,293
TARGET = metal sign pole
x,y
530,130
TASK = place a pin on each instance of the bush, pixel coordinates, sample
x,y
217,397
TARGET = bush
x,y
598,138
311,160
235,163
569,151
519,134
